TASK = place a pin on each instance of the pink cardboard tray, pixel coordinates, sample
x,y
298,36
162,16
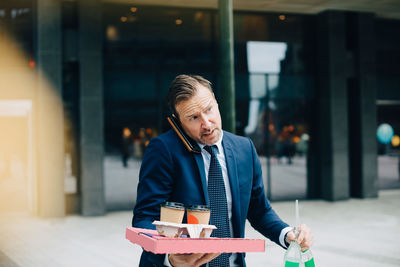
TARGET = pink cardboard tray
x,y
150,241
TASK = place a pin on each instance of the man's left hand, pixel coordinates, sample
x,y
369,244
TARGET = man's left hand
x,y
305,238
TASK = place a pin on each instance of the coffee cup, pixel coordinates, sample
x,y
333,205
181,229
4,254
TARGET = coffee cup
x,y
198,214
172,212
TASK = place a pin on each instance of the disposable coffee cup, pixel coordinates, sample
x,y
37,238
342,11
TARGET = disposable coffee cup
x,y
172,212
198,214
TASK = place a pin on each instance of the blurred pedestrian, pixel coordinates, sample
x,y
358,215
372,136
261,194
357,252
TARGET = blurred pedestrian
x,y
126,146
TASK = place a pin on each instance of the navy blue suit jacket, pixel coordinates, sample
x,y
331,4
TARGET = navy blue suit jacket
x,y
169,172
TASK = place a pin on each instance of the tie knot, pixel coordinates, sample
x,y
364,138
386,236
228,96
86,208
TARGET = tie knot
x,y
211,149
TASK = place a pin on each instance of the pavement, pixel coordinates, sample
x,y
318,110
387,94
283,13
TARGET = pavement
x,y
354,232
288,181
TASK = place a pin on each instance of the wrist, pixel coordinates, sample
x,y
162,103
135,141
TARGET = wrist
x,y
287,243
287,238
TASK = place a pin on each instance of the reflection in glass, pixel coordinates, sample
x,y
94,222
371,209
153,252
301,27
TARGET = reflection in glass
x,y
276,120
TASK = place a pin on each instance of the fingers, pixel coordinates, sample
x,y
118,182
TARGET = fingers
x,y
194,259
290,237
305,238
206,258
184,259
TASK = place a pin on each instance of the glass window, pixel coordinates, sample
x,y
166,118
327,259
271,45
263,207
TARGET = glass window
x,y
388,101
146,47
275,92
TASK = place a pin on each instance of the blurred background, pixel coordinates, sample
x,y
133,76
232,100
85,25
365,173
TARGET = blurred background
x,y
83,85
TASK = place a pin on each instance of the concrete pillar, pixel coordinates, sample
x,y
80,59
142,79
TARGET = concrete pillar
x,y
227,75
50,128
331,181
91,108
363,150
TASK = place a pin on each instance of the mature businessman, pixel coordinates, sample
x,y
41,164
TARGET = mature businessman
x,y
225,174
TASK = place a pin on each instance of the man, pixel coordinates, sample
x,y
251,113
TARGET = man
x,y
170,172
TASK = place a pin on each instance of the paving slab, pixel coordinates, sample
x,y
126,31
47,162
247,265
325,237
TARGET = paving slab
x,y
355,232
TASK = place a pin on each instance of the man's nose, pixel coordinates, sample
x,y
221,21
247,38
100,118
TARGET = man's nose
x,y
205,121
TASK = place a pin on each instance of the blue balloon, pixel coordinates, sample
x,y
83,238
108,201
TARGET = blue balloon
x,y
384,133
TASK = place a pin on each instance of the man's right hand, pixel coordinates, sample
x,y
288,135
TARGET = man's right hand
x,y
191,260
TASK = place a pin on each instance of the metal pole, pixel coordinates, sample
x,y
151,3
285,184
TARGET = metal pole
x,y
267,137
227,78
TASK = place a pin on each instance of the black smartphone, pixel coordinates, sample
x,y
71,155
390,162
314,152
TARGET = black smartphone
x,y
189,143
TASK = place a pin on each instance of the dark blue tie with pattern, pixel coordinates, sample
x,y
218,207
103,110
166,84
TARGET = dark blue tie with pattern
x,y
218,204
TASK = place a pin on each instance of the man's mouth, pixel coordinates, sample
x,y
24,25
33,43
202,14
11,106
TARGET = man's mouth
x,y
208,133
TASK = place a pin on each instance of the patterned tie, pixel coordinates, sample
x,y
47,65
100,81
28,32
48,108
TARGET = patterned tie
x,y
218,204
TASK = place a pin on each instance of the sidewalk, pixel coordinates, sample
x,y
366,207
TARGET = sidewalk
x,y
287,181
348,233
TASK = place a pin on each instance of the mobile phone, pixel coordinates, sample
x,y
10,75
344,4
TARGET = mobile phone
x,y
187,141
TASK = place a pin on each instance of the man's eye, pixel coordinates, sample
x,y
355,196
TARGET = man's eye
x,y
193,118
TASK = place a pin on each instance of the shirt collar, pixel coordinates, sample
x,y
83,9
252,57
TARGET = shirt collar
x,y
218,143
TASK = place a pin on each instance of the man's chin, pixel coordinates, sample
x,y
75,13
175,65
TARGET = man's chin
x,y
212,138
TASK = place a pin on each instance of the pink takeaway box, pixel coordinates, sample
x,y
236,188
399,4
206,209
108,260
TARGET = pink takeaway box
x,y
151,241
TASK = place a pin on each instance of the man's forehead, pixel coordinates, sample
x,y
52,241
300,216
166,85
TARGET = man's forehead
x,y
196,103
190,108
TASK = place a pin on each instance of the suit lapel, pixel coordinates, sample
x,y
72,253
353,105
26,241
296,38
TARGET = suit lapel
x,y
233,180
200,166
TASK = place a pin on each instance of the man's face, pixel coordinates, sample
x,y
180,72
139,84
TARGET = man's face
x,y
199,116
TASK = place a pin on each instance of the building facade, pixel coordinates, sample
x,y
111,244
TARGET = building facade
x,y
311,86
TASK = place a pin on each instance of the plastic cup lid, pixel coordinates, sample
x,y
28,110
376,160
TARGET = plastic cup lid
x,y
199,208
173,205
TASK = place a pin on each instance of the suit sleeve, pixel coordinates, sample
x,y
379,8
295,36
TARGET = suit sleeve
x,y
154,188
260,214
155,184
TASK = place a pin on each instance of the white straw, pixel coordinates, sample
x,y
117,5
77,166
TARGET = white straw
x,y
297,215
